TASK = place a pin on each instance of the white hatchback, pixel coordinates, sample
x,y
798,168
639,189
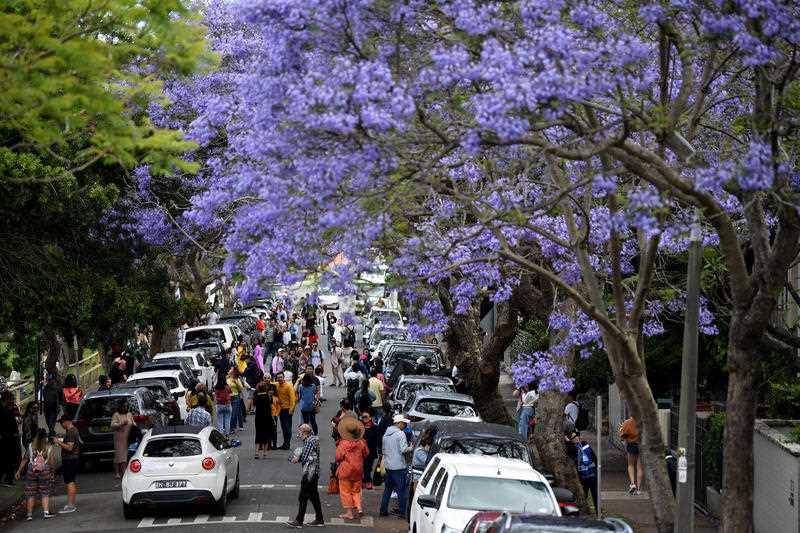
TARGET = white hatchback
x,y
176,381
454,487
181,465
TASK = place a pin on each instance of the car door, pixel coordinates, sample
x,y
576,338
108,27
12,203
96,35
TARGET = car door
x,y
427,517
439,516
225,456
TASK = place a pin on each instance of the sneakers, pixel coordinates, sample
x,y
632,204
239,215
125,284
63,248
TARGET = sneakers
x,y
294,524
29,518
632,489
68,509
317,523
368,486
47,515
637,492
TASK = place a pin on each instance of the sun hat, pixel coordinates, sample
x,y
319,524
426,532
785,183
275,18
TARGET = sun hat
x,y
350,428
400,418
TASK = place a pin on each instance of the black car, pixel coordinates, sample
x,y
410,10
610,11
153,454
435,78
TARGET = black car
x,y
93,419
211,348
161,392
405,354
170,363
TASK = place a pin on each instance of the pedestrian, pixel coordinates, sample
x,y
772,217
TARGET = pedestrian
x,y
336,363
571,411
371,438
121,424
236,387
38,464
629,433
316,355
276,411
308,400
252,376
377,387
351,450
353,378
30,423
103,383
309,460
222,397
52,398
365,398
395,446
319,373
313,338
200,415
117,372
73,395
420,458
265,425
586,463
9,438
276,365
528,396
422,368
70,460
258,354
287,398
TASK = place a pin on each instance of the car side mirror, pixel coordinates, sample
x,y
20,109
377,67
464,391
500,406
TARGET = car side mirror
x,y
428,501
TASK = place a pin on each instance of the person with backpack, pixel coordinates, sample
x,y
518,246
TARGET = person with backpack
x,y
585,461
352,379
364,398
38,464
72,395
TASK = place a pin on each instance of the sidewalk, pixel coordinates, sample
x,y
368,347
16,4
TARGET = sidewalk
x,y
637,511
10,500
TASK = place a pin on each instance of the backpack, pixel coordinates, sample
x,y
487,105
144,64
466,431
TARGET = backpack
x,y
352,387
582,421
586,467
351,338
38,461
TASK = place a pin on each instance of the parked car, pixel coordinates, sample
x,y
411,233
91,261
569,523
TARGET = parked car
x,y
161,393
398,352
170,363
433,405
530,523
381,332
181,465
328,301
454,488
175,380
211,348
201,367
382,315
227,334
409,384
93,419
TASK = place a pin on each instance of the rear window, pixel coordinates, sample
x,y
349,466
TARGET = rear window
x,y
411,387
497,447
204,334
101,407
446,408
173,447
171,383
412,355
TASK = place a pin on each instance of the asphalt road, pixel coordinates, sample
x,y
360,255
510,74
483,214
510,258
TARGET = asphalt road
x,y
269,489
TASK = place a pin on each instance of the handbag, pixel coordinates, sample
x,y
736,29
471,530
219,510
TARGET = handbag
x,y
333,486
377,475
317,406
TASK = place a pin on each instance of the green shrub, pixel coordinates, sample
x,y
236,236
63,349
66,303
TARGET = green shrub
x,y
712,450
783,399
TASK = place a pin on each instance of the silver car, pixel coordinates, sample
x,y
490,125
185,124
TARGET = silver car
x,y
412,384
432,405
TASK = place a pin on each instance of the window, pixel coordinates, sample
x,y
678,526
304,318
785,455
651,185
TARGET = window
x,y
158,392
203,334
201,361
442,485
501,448
183,380
410,387
216,439
173,447
446,408
101,407
429,472
148,401
500,494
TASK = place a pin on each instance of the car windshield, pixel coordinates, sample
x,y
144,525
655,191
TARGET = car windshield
x,y
170,382
387,317
411,355
209,350
173,447
500,494
446,408
203,334
502,448
95,408
410,387
383,334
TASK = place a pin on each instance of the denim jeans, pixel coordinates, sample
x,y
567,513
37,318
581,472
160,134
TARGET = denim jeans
x,y
236,414
395,482
524,421
224,418
310,418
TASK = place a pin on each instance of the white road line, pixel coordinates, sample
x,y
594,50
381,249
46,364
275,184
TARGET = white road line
x,y
174,521
281,518
146,522
289,486
201,518
229,519
253,518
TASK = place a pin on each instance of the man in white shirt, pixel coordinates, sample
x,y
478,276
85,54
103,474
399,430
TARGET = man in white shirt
x,y
570,411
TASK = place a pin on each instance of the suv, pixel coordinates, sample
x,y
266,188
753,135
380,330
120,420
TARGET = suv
x,y
227,334
93,419
454,488
211,348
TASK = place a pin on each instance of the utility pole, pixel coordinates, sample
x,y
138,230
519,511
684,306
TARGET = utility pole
x,y
684,519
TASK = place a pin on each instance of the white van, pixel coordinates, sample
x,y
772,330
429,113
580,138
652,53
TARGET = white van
x,y
227,334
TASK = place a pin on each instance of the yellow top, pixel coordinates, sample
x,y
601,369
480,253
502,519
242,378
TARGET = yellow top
x,y
234,385
286,396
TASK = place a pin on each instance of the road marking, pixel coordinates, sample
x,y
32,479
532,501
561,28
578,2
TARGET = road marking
x,y
174,521
252,518
146,522
201,518
229,519
290,486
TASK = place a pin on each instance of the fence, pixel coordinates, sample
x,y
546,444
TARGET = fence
x,y
87,370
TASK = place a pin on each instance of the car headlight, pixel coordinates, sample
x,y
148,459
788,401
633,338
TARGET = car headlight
x,y
448,529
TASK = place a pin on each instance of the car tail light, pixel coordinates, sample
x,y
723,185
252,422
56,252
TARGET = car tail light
x,y
414,418
136,466
569,509
139,419
208,463
82,423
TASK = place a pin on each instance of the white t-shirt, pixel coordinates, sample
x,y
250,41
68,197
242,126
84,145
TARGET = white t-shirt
x,y
353,374
322,382
530,398
571,411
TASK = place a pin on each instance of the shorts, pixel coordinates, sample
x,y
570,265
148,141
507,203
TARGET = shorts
x,y
37,484
69,470
632,448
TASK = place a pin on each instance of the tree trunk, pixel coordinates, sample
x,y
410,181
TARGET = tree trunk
x,y
737,498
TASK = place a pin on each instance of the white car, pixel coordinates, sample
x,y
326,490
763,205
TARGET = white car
x,y
431,405
380,332
181,464
175,380
454,487
227,334
328,301
201,367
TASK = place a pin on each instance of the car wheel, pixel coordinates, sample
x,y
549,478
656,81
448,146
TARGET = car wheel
x,y
129,512
222,504
235,491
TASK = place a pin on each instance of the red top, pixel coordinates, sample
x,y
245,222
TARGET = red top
x,y
312,339
260,325
350,455
223,396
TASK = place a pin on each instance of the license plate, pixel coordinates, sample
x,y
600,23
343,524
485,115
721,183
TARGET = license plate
x,y
171,484
105,429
